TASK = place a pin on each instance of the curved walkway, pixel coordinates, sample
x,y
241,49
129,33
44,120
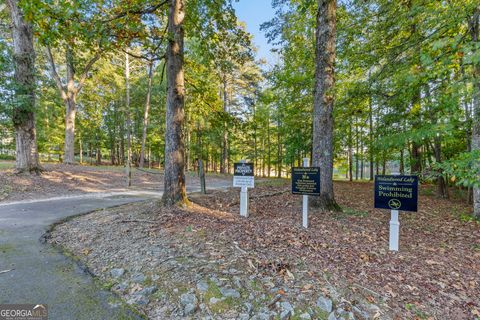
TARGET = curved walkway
x,y
33,272
40,274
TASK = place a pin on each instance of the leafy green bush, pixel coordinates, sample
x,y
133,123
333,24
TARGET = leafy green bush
x,y
464,169
6,157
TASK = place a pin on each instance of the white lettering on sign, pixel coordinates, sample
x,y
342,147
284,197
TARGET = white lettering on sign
x,y
397,179
244,181
243,169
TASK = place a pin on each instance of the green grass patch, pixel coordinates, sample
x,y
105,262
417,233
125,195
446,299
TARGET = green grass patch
x,y
467,217
320,314
5,165
6,248
349,212
221,306
427,191
273,182
107,285
419,314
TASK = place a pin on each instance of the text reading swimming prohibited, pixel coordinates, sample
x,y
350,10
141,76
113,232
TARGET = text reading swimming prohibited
x,y
243,175
396,192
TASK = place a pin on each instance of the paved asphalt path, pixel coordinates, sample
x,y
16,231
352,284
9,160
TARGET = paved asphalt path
x,y
40,273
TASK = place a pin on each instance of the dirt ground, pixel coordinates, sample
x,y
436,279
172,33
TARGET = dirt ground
x,y
65,180
341,257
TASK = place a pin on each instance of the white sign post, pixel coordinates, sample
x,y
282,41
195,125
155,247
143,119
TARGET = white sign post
x,y
244,202
305,200
244,178
397,193
394,228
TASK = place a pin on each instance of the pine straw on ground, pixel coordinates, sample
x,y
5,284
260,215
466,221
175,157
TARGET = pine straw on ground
x,y
435,274
67,180
62,180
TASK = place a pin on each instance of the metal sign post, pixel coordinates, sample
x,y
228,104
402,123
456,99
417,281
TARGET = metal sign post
x,y
305,200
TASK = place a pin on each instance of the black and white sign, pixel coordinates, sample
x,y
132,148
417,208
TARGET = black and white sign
x,y
243,175
396,192
306,181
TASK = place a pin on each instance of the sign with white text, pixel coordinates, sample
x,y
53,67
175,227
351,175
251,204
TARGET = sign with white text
x,y
306,181
243,175
396,192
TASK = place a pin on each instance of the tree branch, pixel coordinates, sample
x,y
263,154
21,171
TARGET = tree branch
x,y
147,10
85,72
144,57
53,71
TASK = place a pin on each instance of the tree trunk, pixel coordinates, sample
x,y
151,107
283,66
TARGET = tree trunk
x,y
269,157
361,155
441,183
69,94
350,152
224,160
90,153
71,110
402,163
128,165
27,159
416,165
475,145
356,150
279,151
80,144
323,102
370,133
69,147
384,163
175,191
145,114
99,157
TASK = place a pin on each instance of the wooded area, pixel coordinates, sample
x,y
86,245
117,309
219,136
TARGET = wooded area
x,y
360,87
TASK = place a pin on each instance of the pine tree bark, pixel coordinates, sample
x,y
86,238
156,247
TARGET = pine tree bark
x,y
323,102
145,114
269,156
350,152
27,159
475,145
128,165
175,191
370,135
224,160
279,151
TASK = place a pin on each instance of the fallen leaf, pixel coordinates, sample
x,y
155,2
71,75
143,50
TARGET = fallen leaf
x,y
5,271
290,275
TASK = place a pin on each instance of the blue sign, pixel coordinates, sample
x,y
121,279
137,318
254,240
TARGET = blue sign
x,y
306,181
396,192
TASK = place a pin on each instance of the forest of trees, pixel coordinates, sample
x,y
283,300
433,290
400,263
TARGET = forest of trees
x,y
367,85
